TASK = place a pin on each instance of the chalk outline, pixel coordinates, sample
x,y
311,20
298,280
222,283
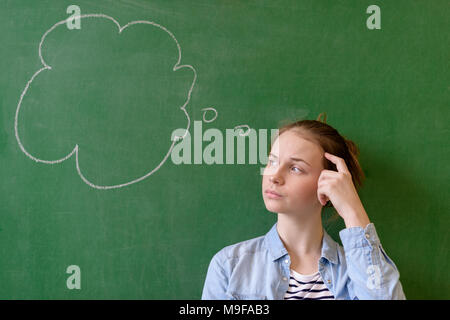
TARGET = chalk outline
x,y
76,148
245,133
209,109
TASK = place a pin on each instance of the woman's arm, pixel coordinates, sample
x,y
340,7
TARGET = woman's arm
x,y
373,275
216,281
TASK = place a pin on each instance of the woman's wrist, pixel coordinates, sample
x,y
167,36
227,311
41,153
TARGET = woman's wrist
x,y
356,218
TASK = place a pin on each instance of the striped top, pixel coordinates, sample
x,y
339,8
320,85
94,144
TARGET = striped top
x,y
307,287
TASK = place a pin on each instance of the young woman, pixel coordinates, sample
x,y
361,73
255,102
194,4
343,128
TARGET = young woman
x,y
310,166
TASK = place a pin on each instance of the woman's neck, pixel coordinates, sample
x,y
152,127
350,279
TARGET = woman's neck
x,y
302,236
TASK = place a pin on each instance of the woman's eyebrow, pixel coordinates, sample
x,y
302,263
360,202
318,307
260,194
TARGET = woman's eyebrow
x,y
298,160
292,158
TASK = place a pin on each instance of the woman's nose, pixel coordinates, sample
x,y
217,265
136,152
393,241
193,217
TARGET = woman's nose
x,y
276,178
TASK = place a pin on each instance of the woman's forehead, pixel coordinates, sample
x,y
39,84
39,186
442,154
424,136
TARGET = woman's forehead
x,y
289,144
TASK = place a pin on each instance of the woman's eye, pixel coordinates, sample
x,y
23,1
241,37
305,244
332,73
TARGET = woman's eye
x,y
298,169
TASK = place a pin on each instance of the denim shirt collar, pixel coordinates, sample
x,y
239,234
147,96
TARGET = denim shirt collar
x,y
277,250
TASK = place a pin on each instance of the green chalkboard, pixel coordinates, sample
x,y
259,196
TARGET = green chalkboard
x,y
94,107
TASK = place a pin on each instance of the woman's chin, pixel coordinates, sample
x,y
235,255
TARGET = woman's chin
x,y
273,207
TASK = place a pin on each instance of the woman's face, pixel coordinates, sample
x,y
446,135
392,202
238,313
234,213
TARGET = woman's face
x,y
294,180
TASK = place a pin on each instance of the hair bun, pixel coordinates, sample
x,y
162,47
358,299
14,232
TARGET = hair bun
x,y
322,117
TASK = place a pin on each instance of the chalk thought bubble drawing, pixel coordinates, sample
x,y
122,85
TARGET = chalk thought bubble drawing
x,y
76,149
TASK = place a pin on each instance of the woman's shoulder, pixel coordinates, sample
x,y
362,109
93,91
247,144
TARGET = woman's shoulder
x,y
242,248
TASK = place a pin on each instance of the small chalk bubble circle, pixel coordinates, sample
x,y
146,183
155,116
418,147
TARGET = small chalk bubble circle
x,y
243,133
205,110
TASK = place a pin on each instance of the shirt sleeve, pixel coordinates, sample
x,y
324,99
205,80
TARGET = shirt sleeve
x,y
216,282
373,275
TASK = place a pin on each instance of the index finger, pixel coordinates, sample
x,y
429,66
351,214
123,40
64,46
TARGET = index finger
x,y
338,161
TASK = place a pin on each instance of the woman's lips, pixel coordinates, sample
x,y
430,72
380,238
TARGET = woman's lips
x,y
272,194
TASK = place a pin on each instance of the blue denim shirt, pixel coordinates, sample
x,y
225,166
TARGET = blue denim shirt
x,y
259,268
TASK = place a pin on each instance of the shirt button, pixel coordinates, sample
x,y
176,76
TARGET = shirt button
x,y
367,236
284,279
286,261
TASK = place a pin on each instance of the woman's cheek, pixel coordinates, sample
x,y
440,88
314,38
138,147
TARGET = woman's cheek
x,y
309,190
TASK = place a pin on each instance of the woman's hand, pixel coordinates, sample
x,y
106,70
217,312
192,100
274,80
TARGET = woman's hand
x,y
338,187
